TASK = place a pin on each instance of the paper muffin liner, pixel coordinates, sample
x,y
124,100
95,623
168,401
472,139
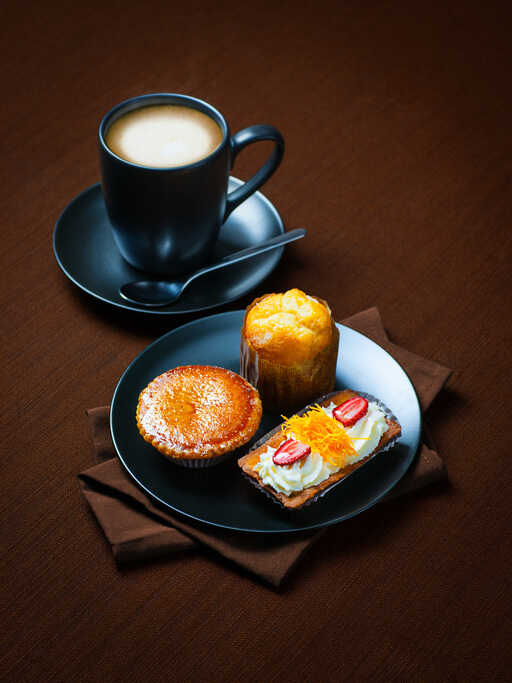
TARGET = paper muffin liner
x,y
284,389
197,463
388,414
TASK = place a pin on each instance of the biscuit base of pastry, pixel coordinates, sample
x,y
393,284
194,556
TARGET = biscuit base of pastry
x,y
299,499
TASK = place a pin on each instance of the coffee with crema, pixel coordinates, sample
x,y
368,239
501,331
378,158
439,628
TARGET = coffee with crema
x,y
164,136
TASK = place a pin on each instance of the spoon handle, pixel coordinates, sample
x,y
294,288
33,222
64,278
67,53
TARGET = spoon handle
x,y
261,248
272,243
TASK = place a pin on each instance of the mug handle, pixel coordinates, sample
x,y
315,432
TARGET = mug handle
x,y
240,140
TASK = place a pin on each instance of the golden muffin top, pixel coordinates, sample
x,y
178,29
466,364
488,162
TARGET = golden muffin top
x,y
198,411
288,328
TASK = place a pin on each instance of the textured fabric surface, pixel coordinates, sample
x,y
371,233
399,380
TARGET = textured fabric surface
x,y
398,162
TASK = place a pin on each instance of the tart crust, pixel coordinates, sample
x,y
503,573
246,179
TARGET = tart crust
x,y
198,412
298,499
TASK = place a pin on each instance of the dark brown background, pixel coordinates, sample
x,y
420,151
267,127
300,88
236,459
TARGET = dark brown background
x,y
397,119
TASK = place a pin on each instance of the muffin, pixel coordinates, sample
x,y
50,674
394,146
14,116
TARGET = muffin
x,y
198,414
289,350
319,447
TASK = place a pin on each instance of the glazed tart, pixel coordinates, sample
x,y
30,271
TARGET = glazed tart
x,y
198,414
319,447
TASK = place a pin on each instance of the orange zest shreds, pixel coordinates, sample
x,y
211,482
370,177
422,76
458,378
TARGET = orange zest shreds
x,y
325,435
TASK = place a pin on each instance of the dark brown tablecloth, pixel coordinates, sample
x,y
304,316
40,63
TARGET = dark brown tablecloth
x,y
398,162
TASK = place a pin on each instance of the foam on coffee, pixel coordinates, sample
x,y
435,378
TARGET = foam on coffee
x,y
164,136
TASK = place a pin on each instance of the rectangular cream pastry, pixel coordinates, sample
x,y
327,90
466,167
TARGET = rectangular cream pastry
x,y
298,499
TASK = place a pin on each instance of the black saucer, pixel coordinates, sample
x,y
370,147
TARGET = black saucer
x,y
85,250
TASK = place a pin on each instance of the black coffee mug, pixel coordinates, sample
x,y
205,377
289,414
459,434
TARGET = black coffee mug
x,y
165,220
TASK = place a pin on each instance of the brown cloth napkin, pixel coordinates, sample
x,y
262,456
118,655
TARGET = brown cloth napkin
x,y
137,528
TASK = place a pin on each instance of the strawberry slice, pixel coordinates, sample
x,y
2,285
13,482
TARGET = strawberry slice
x,y
291,451
349,412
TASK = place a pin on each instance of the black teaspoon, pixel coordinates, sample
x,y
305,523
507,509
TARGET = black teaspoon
x,y
164,293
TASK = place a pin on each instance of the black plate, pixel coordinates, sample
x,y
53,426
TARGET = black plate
x,y
85,250
220,495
